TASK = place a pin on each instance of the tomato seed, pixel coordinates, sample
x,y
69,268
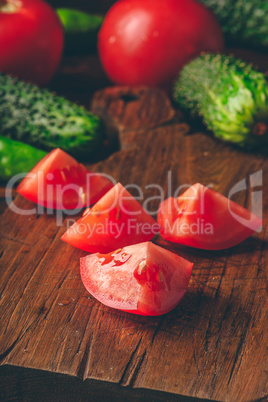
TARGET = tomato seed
x,y
160,276
142,267
83,198
118,214
86,211
118,251
63,176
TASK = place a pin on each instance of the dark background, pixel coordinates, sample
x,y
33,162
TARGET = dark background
x,y
99,7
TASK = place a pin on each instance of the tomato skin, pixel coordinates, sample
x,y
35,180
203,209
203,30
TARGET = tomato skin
x,y
148,41
116,220
58,181
205,219
115,278
31,40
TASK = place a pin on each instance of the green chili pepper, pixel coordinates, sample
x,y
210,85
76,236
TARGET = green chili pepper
x,y
81,30
17,157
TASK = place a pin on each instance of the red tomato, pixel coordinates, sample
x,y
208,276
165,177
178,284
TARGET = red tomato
x,y
205,219
148,41
31,40
58,181
141,279
116,220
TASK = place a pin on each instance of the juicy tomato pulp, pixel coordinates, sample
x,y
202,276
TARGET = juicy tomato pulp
x,y
205,219
116,220
148,42
31,40
58,181
142,279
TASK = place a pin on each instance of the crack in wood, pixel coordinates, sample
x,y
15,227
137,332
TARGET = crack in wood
x,y
207,335
126,377
80,344
176,335
262,399
260,260
87,355
137,369
216,289
8,350
214,378
47,310
236,279
221,277
196,364
18,305
83,367
218,341
15,240
158,328
18,339
239,347
62,279
210,320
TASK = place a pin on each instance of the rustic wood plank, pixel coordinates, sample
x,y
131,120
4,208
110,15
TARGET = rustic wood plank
x,y
46,386
213,345
228,325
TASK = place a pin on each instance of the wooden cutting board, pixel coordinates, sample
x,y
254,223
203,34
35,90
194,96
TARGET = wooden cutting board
x,y
53,334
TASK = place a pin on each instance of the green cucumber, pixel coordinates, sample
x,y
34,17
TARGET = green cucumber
x,y
81,30
229,95
46,121
244,22
17,157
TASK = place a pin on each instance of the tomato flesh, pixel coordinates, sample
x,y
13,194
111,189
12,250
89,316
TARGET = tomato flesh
x,y
142,279
149,41
58,181
205,219
116,220
31,40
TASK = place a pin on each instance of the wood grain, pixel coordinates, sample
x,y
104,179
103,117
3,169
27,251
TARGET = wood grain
x,y
213,345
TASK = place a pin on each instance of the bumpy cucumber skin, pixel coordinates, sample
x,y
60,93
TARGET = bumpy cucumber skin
x,y
44,120
17,157
229,95
242,21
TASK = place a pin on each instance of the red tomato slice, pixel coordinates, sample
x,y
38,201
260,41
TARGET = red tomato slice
x,y
142,278
116,220
205,219
58,181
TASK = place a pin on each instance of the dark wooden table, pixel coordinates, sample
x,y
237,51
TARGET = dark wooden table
x,y
54,335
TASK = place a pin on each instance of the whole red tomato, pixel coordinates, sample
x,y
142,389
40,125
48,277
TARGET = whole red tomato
x,y
148,41
31,40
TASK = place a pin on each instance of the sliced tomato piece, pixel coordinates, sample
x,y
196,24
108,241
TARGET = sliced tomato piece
x,y
58,181
116,220
205,219
142,278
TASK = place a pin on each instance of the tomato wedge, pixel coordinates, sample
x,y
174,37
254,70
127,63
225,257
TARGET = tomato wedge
x,y
116,220
58,181
205,219
142,278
